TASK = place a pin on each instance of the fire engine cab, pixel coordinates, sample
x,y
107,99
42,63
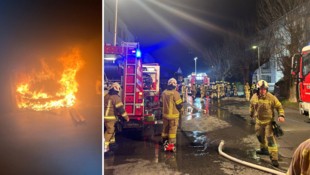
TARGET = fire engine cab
x,y
199,79
301,73
140,84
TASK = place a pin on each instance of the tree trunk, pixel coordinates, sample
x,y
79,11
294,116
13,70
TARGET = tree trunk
x,y
293,92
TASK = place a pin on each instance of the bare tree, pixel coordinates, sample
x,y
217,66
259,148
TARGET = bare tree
x,y
284,22
218,58
234,58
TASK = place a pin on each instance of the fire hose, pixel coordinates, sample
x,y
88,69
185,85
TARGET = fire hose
x,y
247,163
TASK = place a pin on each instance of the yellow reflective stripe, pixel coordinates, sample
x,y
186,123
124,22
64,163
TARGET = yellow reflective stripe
x,y
178,101
273,149
106,143
263,121
278,103
171,115
305,152
265,101
109,117
170,109
108,107
281,112
172,136
124,114
119,105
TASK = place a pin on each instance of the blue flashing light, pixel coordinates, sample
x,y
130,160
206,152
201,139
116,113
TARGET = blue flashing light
x,y
138,53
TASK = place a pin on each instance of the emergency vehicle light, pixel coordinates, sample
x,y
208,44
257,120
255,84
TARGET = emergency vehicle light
x,y
138,53
110,57
150,69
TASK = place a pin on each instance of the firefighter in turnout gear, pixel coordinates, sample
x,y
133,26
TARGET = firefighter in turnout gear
x,y
235,90
247,91
228,89
218,89
300,161
253,89
194,90
202,92
171,107
213,90
113,106
262,107
184,92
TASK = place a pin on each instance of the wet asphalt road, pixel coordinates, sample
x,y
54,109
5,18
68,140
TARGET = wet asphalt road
x,y
198,138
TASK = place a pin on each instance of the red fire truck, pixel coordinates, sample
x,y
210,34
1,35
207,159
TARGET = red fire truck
x,y
301,73
140,84
199,79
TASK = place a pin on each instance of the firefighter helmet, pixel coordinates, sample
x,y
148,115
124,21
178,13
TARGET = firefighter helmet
x,y
172,81
116,87
262,83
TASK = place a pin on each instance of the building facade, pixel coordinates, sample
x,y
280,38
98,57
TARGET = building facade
x,y
278,37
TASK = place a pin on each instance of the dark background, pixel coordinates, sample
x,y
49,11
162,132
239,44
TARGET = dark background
x,y
175,39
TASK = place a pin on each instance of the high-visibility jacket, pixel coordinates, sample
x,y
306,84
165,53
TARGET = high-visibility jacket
x,y
113,106
202,89
184,88
171,102
300,161
263,107
246,88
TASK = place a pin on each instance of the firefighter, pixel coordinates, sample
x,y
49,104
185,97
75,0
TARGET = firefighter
x,y
112,107
262,107
171,106
202,92
228,89
253,89
184,92
194,90
247,91
235,90
300,161
218,89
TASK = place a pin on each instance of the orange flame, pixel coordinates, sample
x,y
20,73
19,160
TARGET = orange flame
x,y
28,97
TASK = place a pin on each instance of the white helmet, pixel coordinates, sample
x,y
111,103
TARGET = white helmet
x,y
262,83
172,81
116,87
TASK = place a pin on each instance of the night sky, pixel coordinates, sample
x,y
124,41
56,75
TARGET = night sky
x,y
176,31
47,29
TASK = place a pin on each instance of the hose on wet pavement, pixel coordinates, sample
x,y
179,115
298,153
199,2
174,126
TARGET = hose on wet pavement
x,y
247,163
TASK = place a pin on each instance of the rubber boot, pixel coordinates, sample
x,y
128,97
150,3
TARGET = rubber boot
x,y
275,163
262,151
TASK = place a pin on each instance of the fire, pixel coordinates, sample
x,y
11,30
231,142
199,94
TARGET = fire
x,y
48,97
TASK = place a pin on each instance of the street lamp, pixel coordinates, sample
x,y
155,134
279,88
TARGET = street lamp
x,y
195,65
258,57
115,22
